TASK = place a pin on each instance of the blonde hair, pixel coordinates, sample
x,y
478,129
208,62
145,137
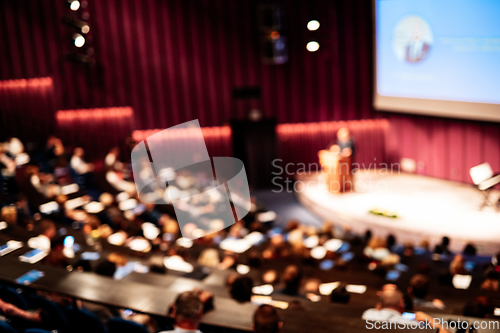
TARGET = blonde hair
x,y
117,258
209,258
9,214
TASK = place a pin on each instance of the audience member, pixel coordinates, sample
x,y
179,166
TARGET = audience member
x,y
340,295
376,249
10,310
457,265
470,250
475,309
43,240
241,289
187,311
391,307
78,164
443,247
491,281
266,320
418,290
292,277
209,258
270,276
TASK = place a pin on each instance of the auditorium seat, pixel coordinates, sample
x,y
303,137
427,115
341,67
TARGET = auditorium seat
x,y
52,316
10,295
6,328
119,325
84,321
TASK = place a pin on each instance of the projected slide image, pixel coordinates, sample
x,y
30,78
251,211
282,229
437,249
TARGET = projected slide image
x,y
412,39
447,50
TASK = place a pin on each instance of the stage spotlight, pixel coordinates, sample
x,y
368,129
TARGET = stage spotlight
x,y
313,25
85,29
82,26
79,40
74,5
312,46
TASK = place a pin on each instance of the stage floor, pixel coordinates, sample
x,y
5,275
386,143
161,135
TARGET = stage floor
x,y
427,209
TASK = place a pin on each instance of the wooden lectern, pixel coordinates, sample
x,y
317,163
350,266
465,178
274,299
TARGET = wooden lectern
x,y
337,169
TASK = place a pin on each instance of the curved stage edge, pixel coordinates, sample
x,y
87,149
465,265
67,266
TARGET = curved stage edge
x,y
427,208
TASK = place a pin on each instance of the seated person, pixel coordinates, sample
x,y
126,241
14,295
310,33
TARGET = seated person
x,y
293,279
81,168
340,295
491,281
418,290
344,142
479,308
443,248
78,164
266,320
457,265
47,232
10,310
241,289
43,183
187,311
391,307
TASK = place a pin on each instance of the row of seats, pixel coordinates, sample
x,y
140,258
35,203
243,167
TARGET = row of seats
x,y
56,318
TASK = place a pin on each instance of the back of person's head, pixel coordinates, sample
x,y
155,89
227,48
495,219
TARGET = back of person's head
x,y
9,214
470,250
474,309
209,257
419,286
490,285
492,274
496,259
270,276
266,320
156,265
47,228
368,236
391,241
241,289
340,295
188,309
292,278
391,298
457,265
106,268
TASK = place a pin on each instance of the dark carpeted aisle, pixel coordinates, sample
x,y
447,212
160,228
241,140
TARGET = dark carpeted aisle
x,y
287,207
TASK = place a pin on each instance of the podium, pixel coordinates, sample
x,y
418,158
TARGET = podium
x,y
337,169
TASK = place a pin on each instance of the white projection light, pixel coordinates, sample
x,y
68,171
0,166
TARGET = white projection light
x,y
312,25
74,5
79,41
85,29
312,46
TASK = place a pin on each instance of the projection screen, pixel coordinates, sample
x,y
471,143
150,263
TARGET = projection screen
x,y
438,57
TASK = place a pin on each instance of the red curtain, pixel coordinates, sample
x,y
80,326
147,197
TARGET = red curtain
x,y
96,130
217,139
26,109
